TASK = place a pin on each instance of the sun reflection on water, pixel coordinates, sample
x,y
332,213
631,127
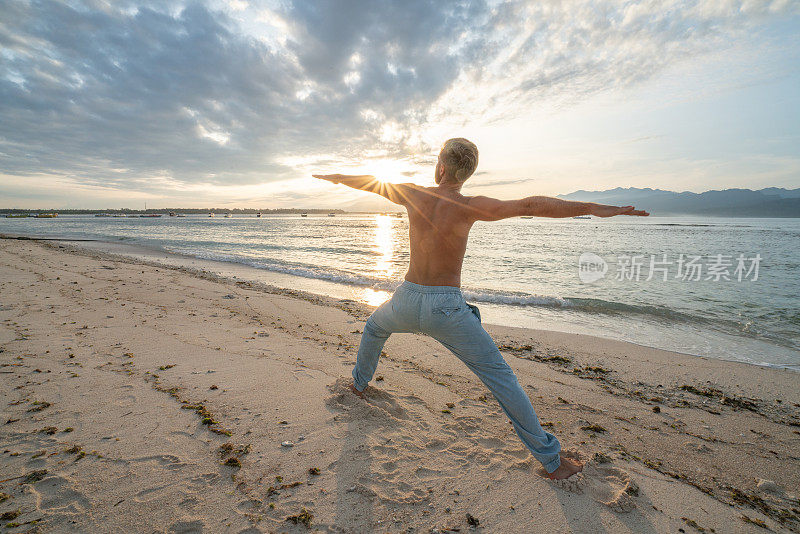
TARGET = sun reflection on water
x,y
384,245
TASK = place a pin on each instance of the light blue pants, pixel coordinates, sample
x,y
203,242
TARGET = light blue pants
x,y
442,313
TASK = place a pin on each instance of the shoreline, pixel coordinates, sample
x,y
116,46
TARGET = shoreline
x,y
154,256
155,373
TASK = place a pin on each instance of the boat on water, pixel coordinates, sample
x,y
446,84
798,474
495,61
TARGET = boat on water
x,y
304,215
227,215
258,214
180,215
331,215
46,215
16,215
172,214
211,214
102,215
526,217
150,215
582,217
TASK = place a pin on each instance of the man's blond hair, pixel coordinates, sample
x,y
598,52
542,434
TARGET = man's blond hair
x,y
460,158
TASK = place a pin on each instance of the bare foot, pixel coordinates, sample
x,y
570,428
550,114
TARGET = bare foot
x,y
567,468
356,392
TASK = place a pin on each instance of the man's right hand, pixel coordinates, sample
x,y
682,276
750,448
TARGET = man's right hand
x,y
601,210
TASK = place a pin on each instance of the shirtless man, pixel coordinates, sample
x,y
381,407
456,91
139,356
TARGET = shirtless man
x,y
429,301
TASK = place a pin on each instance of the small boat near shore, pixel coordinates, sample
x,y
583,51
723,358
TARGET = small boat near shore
x,y
582,217
46,215
17,215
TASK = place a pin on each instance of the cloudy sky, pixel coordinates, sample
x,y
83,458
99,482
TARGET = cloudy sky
x,y
236,103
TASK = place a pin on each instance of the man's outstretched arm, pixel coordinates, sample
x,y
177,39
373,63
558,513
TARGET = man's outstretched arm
x,y
492,209
397,193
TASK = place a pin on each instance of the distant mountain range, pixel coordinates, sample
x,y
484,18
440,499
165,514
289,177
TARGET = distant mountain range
x,y
370,203
769,202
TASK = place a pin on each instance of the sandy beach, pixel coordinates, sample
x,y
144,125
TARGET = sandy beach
x,y
143,398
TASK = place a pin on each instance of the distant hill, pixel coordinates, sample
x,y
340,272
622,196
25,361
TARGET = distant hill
x,y
370,203
769,202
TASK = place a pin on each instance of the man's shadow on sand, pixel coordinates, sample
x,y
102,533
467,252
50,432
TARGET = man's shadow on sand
x,y
584,515
354,500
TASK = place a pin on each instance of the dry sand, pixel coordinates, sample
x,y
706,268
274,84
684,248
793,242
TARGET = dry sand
x,y
140,398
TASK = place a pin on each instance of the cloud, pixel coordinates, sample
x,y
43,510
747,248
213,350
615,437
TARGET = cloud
x,y
130,94
479,184
561,53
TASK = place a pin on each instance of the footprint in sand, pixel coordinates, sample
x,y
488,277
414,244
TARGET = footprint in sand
x,y
376,401
426,473
149,494
58,495
605,483
187,527
414,399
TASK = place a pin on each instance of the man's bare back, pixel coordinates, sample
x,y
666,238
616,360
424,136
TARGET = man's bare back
x,y
439,225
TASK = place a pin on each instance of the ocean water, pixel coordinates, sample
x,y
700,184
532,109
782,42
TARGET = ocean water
x,y
742,304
